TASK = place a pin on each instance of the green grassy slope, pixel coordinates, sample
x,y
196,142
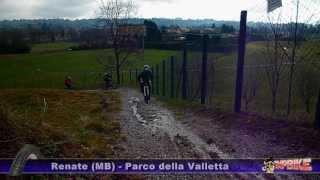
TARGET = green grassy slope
x,y
48,64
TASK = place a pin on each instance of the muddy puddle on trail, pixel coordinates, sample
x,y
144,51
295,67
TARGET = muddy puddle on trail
x,y
188,145
160,120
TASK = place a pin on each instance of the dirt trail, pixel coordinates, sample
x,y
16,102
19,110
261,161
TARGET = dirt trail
x,y
153,132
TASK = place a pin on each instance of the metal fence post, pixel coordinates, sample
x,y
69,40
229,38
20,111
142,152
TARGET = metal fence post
x,y
122,78
164,78
172,76
317,117
137,80
240,66
85,80
157,78
184,74
130,75
152,88
32,79
204,78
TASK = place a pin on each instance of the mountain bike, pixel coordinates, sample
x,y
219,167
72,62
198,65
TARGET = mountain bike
x,y
28,152
146,92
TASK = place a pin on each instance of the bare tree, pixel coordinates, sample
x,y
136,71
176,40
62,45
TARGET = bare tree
x,y
293,59
251,86
288,36
308,75
275,57
115,15
317,116
298,38
307,84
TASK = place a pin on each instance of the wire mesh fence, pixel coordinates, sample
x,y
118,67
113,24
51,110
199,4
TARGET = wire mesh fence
x,y
182,77
266,72
281,66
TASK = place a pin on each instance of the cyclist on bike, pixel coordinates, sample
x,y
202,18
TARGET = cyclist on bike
x,y
145,78
68,82
108,80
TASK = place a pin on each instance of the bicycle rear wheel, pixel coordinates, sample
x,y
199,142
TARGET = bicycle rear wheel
x,y
28,152
146,93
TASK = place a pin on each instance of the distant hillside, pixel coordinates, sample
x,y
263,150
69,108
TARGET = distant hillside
x,y
89,23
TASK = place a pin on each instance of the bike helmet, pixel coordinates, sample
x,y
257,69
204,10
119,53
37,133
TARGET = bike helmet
x,y
146,67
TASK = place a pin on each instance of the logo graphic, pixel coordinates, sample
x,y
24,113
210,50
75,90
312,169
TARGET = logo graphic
x,y
269,166
301,165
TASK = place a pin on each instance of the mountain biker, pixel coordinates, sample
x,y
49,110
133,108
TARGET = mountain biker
x,y
108,80
68,82
145,77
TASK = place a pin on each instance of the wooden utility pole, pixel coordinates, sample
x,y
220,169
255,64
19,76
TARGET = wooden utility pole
x,y
240,66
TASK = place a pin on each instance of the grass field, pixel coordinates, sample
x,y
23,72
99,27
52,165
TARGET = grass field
x,y
51,47
48,64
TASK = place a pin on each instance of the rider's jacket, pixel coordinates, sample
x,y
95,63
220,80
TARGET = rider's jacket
x,y
107,77
146,76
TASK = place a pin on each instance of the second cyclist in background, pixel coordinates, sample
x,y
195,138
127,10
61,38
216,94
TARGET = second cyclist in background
x,y
108,80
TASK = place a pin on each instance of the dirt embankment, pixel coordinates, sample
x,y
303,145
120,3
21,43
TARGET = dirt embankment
x,y
249,135
65,124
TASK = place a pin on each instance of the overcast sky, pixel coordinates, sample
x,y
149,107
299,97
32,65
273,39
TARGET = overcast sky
x,y
195,9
